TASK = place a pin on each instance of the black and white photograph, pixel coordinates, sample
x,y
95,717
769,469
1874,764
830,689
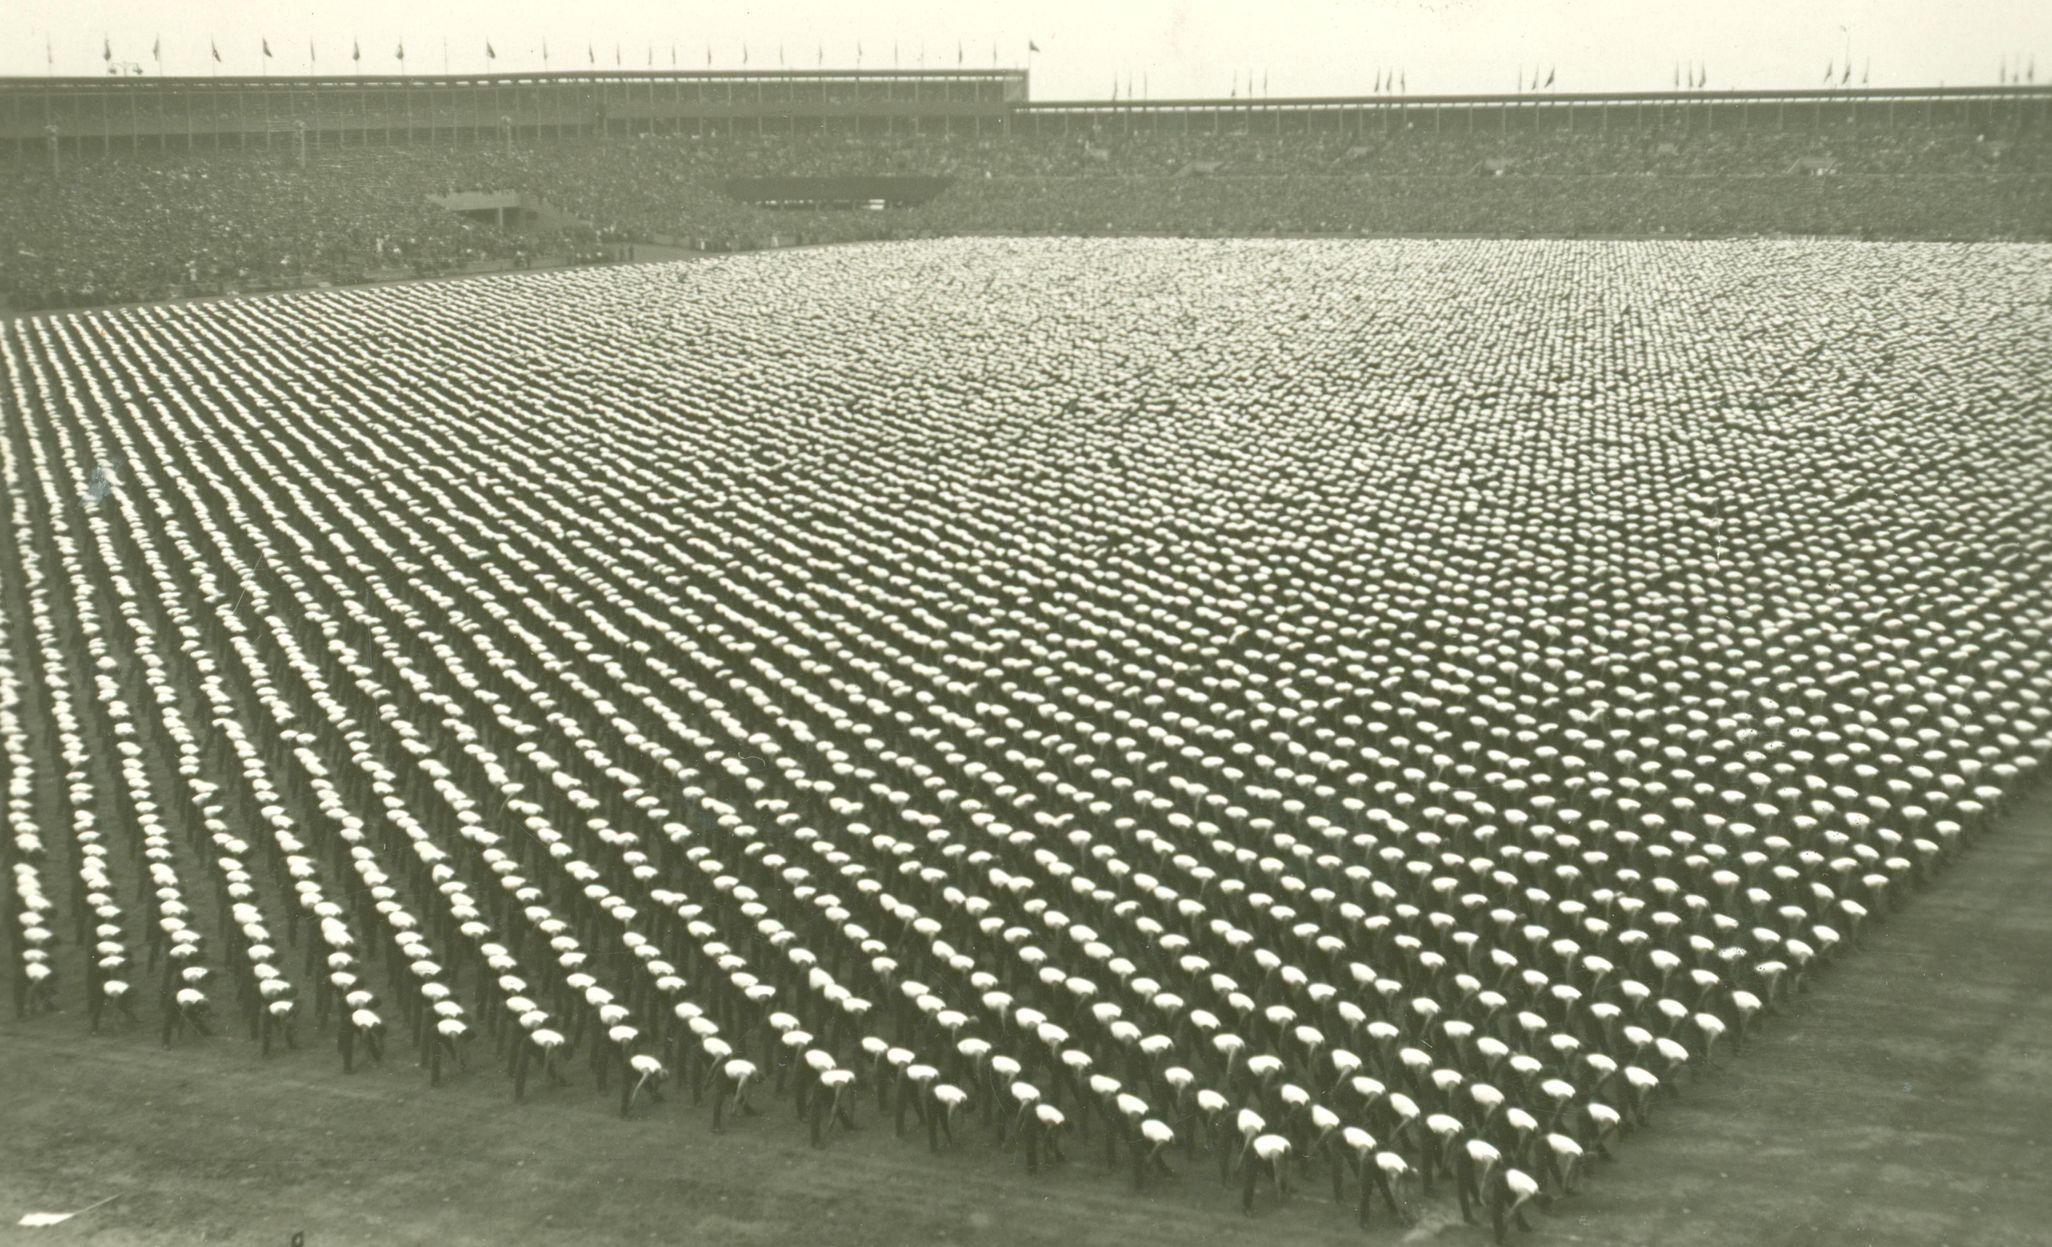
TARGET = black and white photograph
x,y
1146,623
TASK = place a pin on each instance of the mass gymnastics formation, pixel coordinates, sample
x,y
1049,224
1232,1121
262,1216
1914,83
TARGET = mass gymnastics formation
x,y
1356,720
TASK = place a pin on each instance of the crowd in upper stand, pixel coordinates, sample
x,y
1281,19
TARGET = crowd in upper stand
x,y
128,227
144,226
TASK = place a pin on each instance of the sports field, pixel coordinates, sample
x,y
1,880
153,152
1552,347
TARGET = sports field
x,y
1345,710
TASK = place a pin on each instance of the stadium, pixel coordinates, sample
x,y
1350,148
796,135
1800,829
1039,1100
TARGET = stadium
x,y
728,655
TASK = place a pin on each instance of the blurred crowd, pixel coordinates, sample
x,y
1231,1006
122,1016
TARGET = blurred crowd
x,y
155,225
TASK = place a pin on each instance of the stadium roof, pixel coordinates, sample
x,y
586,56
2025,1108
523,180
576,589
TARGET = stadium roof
x,y
1827,95
247,81
1016,78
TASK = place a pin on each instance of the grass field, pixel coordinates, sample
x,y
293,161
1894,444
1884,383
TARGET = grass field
x,y
1904,1103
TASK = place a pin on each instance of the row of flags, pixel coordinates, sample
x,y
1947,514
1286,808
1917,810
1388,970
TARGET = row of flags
x,y
492,53
1845,75
2014,70
1387,81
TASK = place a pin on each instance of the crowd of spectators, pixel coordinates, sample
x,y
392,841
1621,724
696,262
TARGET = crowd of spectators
x,y
138,226
1558,207
1913,184
130,227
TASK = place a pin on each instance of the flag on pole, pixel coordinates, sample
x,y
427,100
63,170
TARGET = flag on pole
x,y
1550,71
355,50
708,56
2032,74
312,57
214,48
400,52
590,53
491,53
106,49
1830,69
1845,79
545,54
1677,75
958,53
157,50
1032,46
1866,71
1377,88
267,47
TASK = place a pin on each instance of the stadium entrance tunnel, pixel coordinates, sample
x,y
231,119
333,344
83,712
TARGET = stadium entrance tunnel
x,y
500,208
836,192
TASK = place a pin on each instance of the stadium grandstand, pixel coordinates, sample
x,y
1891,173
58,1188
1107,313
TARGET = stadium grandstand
x,y
125,188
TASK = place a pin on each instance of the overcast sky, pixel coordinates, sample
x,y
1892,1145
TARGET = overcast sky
x,y
1167,47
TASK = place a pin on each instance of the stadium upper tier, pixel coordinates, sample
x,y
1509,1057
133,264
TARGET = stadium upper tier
x,y
113,111
82,226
